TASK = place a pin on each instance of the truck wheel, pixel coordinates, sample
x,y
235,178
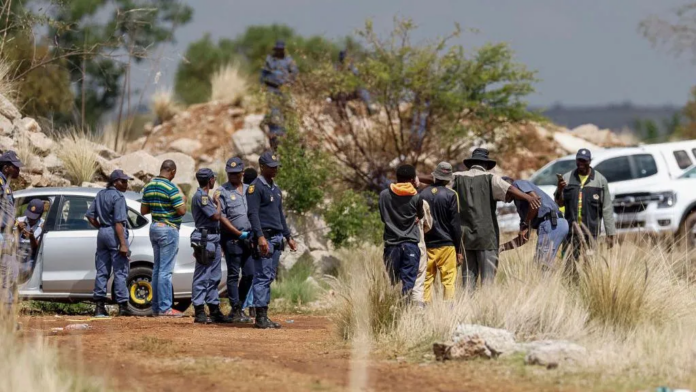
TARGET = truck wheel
x,y
687,232
140,291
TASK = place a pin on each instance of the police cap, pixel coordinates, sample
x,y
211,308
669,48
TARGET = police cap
x,y
204,174
11,158
34,209
269,159
234,165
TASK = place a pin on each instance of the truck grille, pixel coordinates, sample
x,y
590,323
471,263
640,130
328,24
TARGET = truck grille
x,y
631,203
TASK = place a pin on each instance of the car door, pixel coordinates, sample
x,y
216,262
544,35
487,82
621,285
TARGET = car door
x,y
69,249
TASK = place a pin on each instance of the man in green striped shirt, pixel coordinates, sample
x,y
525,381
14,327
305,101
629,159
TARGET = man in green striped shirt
x,y
162,199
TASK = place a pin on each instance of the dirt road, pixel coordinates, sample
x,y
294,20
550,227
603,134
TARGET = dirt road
x,y
147,354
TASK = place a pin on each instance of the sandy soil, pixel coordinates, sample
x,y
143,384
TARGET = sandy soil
x,y
148,354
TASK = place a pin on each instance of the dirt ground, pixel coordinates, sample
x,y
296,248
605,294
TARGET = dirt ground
x,y
155,354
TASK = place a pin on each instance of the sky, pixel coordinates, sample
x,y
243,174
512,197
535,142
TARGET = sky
x,y
586,52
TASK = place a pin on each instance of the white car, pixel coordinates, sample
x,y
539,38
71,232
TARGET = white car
x,y
65,267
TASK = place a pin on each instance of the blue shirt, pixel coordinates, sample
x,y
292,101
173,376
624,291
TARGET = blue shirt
x,y
7,207
109,208
277,72
265,203
233,205
547,204
203,209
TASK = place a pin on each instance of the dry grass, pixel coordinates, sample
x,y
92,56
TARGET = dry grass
x,y
163,105
229,85
8,88
629,307
78,155
25,151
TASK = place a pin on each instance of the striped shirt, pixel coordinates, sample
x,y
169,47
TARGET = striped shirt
x,y
163,198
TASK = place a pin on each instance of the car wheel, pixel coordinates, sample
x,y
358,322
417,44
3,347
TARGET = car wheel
x,y
182,304
687,232
140,291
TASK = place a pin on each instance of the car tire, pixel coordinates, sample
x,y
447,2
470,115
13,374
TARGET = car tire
x,y
181,305
140,291
686,235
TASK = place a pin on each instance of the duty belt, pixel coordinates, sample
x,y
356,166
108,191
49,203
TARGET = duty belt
x,y
271,232
210,230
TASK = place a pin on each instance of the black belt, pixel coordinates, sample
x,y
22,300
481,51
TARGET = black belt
x,y
271,232
210,230
550,215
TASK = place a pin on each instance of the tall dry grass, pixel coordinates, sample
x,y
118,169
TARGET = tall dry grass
x,y
8,88
78,155
628,306
164,106
229,84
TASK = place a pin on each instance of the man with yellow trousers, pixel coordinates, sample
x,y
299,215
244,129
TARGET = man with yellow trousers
x,y
444,240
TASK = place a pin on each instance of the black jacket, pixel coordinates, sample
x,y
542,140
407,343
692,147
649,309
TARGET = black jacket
x,y
596,201
446,229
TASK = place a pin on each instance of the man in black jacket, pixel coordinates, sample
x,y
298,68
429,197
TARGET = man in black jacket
x,y
444,240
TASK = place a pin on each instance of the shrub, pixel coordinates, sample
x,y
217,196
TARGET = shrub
x,y
78,156
293,285
8,88
351,221
163,105
229,84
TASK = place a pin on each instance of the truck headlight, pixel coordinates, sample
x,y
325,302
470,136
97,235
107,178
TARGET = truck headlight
x,y
666,199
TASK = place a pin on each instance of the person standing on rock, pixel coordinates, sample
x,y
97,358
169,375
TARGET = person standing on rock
x,y
236,241
479,190
205,241
162,199
278,71
401,208
109,214
9,169
265,206
444,240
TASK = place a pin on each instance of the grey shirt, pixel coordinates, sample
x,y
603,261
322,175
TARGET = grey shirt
x,y
233,205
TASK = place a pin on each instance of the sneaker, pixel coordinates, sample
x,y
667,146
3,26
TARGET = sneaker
x,y
171,313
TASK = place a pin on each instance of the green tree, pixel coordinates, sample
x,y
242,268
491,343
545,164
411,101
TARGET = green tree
x,y
352,219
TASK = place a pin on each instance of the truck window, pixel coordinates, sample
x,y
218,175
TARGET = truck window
x,y
548,175
615,169
683,160
645,165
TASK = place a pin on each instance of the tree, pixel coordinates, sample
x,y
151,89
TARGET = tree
x,y
435,101
676,32
687,130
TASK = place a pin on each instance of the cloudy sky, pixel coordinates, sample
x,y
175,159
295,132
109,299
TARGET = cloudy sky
x,y
586,52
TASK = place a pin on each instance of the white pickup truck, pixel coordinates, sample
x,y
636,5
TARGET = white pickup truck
x,y
642,180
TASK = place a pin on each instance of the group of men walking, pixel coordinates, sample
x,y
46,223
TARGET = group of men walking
x,y
245,222
462,228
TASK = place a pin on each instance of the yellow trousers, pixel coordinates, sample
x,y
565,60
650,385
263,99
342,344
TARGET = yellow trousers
x,y
443,259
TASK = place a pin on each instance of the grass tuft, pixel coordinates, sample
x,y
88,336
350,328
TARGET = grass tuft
x,y
229,85
78,156
164,106
293,286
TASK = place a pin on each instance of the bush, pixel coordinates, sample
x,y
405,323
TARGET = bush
x,y
46,307
78,156
351,221
163,105
229,84
293,285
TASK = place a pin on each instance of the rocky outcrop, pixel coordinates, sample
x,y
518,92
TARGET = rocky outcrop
x,y
139,164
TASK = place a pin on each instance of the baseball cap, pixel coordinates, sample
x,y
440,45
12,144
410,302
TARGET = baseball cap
x,y
204,174
234,165
269,159
584,154
11,157
34,209
118,174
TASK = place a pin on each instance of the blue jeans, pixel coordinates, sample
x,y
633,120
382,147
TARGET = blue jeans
x,y
238,259
165,246
265,272
108,258
550,239
402,265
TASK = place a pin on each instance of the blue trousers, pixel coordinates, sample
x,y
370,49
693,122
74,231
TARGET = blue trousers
x,y
265,272
107,259
206,279
238,259
165,246
402,265
550,239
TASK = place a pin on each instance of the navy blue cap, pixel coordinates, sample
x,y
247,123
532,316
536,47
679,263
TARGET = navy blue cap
x,y
204,174
584,154
234,165
280,44
11,157
34,209
269,159
118,174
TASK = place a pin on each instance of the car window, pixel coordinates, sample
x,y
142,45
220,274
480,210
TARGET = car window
x,y
135,220
615,169
645,165
71,215
23,203
548,175
683,160
691,173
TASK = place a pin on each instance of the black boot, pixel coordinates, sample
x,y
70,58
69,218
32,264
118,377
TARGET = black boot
x,y
200,316
262,320
100,309
217,316
237,316
252,312
123,310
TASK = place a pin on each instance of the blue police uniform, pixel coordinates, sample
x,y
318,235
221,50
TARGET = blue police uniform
x,y
276,73
265,203
109,208
9,266
237,250
206,278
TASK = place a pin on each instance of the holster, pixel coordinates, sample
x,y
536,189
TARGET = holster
x,y
554,219
200,250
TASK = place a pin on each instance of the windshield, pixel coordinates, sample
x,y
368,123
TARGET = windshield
x,y
548,175
691,173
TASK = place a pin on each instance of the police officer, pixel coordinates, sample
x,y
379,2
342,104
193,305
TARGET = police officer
x,y
278,71
236,243
205,241
9,170
265,202
109,214
29,231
